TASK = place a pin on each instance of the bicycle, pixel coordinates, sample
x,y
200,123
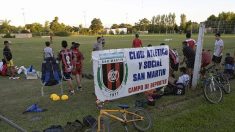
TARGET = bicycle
x,y
214,84
140,119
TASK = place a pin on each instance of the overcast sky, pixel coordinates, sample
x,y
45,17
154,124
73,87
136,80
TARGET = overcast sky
x,y
75,12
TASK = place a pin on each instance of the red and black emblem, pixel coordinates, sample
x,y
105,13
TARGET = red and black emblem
x,y
113,75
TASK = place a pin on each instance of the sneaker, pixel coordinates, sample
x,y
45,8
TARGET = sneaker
x,y
15,78
79,88
72,92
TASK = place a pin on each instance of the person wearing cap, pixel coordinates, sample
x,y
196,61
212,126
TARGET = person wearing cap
x,y
77,63
137,42
218,50
7,54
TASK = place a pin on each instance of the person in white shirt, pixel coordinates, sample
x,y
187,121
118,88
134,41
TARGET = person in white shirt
x,y
218,50
47,51
98,45
184,77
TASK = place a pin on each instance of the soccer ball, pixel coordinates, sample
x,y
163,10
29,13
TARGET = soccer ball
x,y
64,97
56,98
53,95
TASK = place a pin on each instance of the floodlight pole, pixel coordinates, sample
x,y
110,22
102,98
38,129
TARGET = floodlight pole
x,y
23,16
84,18
126,17
198,57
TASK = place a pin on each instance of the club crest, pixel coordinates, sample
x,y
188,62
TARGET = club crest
x,y
112,72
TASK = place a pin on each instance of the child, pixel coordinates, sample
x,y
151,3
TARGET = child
x,y
3,68
184,77
229,65
7,54
77,64
206,58
177,87
48,52
65,56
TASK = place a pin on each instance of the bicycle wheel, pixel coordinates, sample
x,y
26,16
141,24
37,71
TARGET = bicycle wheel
x,y
212,92
142,125
225,84
104,125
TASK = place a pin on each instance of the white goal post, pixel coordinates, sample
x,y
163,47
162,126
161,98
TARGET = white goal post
x,y
198,57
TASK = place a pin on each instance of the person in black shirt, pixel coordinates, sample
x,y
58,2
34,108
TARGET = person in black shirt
x,y
189,58
7,54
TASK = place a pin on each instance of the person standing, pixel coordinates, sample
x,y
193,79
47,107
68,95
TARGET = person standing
x,y
98,45
51,38
103,40
7,54
77,64
66,56
137,42
47,51
190,42
189,58
218,50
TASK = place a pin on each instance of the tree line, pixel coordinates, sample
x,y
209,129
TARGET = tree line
x,y
165,23
224,23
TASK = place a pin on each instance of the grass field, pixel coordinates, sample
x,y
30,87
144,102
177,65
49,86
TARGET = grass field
x,y
186,113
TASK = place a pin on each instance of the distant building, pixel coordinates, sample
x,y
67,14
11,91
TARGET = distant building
x,y
116,31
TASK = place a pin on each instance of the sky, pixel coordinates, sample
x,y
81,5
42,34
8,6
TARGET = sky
x,y
76,12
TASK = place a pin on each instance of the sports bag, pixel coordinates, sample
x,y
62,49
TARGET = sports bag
x,y
179,89
89,120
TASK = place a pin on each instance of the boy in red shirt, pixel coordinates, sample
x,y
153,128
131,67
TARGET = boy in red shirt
x,y
66,56
206,58
190,42
77,63
136,42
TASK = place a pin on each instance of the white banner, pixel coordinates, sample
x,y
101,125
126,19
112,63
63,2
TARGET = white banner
x,y
124,72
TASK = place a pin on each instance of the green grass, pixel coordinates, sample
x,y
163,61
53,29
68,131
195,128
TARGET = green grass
x,y
190,113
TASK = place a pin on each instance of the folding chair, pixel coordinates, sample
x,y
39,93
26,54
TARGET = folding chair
x,y
51,74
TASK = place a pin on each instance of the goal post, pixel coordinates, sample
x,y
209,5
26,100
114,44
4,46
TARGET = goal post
x,y
198,57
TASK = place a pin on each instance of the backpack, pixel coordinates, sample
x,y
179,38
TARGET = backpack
x,y
179,89
51,74
75,126
89,120
54,128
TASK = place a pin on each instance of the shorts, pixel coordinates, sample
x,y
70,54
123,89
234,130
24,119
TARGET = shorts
x,y
216,59
175,67
67,75
190,63
10,63
78,70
